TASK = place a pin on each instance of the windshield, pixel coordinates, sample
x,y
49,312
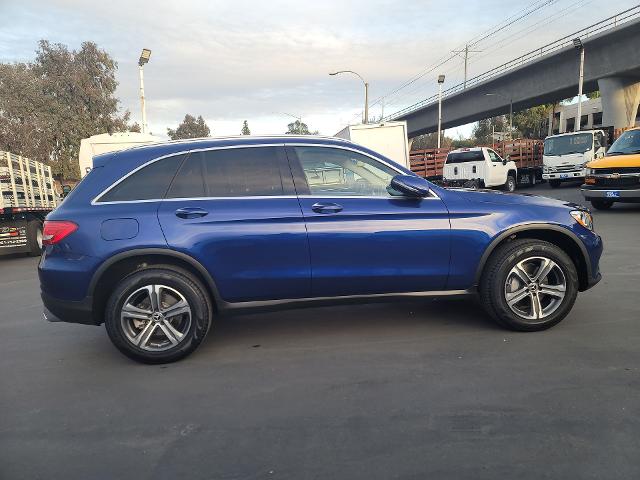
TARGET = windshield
x,y
579,143
628,142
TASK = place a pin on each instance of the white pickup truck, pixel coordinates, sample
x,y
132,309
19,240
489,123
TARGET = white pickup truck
x,y
479,167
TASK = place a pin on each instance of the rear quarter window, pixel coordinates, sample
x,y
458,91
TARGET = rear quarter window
x,y
148,183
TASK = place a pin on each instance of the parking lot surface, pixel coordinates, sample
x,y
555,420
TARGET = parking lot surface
x,y
422,389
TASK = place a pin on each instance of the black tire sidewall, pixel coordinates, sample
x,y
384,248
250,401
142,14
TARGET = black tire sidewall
x,y
511,182
189,287
510,257
32,230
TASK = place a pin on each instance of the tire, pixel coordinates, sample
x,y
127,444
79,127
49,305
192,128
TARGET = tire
x,y
34,238
510,184
601,204
157,342
554,183
499,281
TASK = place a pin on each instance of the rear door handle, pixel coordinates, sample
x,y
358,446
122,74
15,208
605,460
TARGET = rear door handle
x,y
191,212
321,207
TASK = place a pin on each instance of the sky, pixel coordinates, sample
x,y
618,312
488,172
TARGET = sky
x,y
266,61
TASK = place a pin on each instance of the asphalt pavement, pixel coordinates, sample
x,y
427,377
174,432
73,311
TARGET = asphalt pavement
x,y
413,390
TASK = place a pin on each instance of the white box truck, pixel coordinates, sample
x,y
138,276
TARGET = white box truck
x,y
565,155
27,194
388,139
105,143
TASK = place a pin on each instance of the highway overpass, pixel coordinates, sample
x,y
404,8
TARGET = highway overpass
x,y
549,74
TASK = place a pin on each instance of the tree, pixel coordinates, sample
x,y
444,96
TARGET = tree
x,y
532,122
299,128
483,130
191,127
430,140
245,128
49,105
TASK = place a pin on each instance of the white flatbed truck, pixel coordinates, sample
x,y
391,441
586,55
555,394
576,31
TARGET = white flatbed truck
x,y
27,195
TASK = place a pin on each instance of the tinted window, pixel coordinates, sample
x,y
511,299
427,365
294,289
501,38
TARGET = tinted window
x,y
234,172
189,182
148,183
494,156
467,156
332,171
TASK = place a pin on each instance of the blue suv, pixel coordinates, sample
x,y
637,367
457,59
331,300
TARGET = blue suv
x,y
156,241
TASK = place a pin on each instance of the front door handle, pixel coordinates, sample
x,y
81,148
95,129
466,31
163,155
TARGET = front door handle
x,y
321,207
191,212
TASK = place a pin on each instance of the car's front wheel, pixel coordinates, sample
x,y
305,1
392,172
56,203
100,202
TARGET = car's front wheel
x,y
529,285
158,315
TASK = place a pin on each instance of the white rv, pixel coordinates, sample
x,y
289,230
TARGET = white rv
x,y
105,143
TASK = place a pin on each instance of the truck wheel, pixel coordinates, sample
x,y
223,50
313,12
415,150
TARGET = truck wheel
x,y
510,184
34,238
529,285
601,204
158,315
554,183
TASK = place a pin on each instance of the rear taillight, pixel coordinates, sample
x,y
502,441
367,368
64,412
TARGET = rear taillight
x,y
55,230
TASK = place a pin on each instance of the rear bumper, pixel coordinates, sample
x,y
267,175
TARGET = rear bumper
x,y
56,310
620,194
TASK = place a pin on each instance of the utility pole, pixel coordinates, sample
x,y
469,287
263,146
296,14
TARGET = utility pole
x,y
466,53
577,43
440,82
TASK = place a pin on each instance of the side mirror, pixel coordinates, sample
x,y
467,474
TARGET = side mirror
x,y
410,185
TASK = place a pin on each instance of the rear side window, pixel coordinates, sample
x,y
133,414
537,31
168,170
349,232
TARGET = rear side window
x,y
148,183
233,172
462,157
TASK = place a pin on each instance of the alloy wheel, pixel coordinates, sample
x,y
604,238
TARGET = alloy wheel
x,y
535,288
155,318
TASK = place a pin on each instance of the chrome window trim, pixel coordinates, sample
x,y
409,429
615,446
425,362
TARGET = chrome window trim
x,y
96,200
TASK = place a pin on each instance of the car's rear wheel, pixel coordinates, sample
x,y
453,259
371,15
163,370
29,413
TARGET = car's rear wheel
x,y
34,236
601,204
158,315
529,285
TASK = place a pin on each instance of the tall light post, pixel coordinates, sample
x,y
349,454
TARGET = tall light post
x,y
366,92
510,110
577,43
144,58
440,82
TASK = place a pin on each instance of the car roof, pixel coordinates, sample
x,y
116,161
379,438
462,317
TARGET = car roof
x,y
469,149
160,149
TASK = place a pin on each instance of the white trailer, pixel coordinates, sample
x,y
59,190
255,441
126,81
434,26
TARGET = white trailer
x,y
27,194
388,139
105,143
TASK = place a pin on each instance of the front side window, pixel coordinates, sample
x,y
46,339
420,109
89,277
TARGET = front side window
x,y
232,172
338,172
494,156
149,183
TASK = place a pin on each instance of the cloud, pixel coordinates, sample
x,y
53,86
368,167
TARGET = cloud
x,y
235,60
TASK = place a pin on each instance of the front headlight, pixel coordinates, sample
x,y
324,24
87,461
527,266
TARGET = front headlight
x,y
584,218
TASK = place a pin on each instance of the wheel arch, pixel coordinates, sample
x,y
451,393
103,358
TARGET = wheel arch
x,y
125,263
560,236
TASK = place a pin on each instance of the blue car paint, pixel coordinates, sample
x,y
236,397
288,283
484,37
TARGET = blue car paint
x,y
279,248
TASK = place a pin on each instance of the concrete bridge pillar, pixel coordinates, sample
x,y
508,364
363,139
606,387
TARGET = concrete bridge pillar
x,y
620,99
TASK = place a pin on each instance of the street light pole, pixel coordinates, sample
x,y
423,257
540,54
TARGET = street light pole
x,y
144,58
577,43
440,82
366,92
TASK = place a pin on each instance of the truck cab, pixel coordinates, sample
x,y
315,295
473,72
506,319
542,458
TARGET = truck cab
x,y
479,167
565,155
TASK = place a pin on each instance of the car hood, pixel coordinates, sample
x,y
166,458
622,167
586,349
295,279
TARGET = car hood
x,y
616,161
503,198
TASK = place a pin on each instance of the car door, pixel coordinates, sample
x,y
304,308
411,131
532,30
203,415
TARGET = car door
x,y
365,238
235,211
497,173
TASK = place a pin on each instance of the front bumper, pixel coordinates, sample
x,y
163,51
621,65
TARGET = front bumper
x,y
611,193
56,310
564,175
